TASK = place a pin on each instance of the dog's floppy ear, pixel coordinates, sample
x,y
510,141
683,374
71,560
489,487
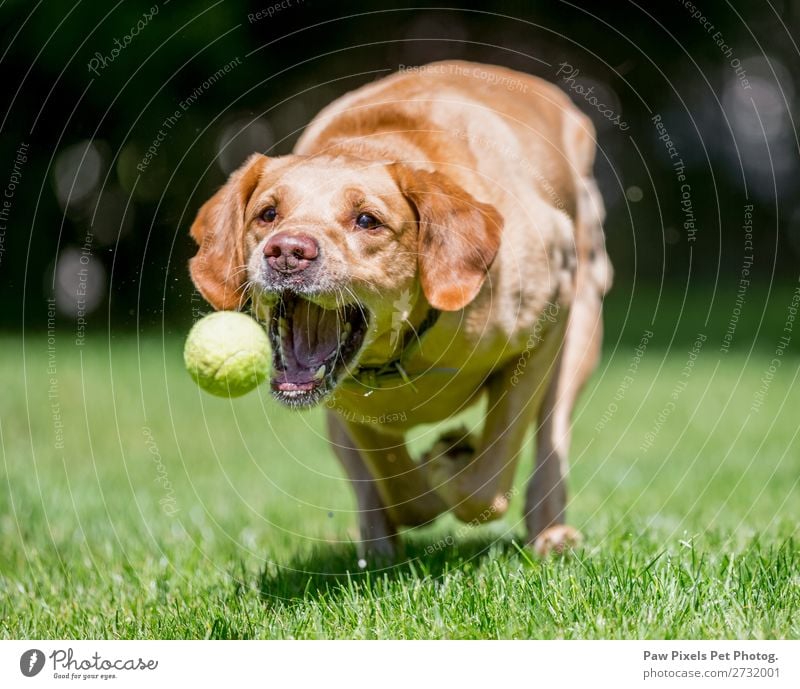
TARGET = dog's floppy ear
x,y
458,237
218,269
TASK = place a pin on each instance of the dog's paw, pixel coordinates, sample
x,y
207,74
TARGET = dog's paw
x,y
379,553
457,445
453,450
558,539
469,497
446,459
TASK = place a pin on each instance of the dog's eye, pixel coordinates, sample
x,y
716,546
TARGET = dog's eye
x,y
367,222
269,214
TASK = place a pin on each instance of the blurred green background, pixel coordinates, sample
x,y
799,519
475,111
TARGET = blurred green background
x,y
89,86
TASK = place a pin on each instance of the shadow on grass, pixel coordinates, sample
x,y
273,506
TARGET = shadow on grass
x,y
333,570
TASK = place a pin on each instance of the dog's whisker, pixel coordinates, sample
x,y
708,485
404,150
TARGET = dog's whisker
x,y
244,296
413,330
358,303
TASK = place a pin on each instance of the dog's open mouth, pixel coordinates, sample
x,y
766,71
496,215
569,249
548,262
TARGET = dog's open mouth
x,y
312,347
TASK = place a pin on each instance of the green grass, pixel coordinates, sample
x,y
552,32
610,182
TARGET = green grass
x,y
697,537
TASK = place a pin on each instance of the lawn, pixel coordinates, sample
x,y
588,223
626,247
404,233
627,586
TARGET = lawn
x,y
134,506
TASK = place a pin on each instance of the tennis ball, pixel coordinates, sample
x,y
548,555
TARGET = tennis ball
x,y
227,354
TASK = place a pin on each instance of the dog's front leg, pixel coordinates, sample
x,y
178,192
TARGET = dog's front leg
x,y
376,529
400,481
475,478
390,487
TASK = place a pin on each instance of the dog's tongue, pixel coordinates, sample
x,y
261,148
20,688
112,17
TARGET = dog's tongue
x,y
315,332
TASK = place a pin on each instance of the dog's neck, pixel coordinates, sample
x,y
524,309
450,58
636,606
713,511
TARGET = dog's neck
x,y
411,342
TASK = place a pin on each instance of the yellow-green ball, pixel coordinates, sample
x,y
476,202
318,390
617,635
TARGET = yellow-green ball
x,y
227,354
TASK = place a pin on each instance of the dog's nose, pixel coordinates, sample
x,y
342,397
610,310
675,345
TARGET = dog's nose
x,y
289,253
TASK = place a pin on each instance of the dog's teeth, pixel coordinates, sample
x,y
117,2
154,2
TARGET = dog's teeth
x,y
320,374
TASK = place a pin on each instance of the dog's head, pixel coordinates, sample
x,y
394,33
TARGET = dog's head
x,y
325,247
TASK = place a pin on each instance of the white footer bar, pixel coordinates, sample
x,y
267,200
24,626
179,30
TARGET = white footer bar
x,y
400,664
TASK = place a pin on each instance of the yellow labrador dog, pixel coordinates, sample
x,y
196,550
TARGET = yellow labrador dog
x,y
434,241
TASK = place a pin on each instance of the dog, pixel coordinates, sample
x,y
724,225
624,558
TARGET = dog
x,y
435,241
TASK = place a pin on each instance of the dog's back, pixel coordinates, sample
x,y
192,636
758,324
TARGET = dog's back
x,y
516,142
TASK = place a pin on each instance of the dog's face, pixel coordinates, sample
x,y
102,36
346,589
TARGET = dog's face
x,y
326,246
